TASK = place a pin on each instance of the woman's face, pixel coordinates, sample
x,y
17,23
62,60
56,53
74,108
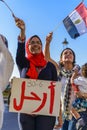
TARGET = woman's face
x,y
67,56
35,45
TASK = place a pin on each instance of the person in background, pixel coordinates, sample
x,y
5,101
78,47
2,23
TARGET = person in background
x,y
65,68
6,69
79,85
31,61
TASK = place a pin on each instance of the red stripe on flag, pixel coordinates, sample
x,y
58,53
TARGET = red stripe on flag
x,y
82,10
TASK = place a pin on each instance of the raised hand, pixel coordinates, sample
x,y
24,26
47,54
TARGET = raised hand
x,y
49,37
21,25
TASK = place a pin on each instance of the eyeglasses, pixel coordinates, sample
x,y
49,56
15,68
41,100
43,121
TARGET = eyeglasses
x,y
35,42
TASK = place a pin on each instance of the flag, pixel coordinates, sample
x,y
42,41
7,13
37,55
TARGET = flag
x,y
76,22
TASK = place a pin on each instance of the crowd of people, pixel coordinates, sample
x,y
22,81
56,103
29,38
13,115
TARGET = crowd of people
x,y
34,63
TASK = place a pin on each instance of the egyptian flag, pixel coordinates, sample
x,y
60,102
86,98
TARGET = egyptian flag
x,y
76,22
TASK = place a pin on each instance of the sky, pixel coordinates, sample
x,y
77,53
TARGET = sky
x,y
42,17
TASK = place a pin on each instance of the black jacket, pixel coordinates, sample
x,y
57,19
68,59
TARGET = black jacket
x,y
47,73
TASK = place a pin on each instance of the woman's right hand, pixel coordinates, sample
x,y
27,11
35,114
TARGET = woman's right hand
x,y
21,25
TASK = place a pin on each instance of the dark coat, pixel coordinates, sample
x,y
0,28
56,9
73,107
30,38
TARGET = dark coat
x,y
47,73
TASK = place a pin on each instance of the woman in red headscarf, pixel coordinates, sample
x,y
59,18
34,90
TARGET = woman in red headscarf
x,y
30,66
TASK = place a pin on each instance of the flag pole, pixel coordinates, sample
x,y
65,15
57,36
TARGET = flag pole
x,y
82,1
57,26
8,8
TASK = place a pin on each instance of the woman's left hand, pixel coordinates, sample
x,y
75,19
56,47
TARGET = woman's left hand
x,y
49,37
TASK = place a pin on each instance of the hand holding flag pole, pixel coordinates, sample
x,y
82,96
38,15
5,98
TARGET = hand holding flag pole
x,y
8,8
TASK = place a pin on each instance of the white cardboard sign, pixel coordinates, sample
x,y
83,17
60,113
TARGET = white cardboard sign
x,y
35,96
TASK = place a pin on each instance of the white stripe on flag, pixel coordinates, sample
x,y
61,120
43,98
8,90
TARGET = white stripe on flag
x,y
78,22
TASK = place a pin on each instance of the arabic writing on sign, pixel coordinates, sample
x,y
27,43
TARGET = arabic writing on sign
x,y
34,97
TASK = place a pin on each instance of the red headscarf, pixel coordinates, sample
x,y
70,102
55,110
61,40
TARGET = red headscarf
x,y
35,61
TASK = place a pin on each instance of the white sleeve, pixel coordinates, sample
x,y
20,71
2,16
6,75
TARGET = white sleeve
x,y
6,65
82,83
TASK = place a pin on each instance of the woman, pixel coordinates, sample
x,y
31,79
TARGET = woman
x,y
30,67
6,69
65,68
79,85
